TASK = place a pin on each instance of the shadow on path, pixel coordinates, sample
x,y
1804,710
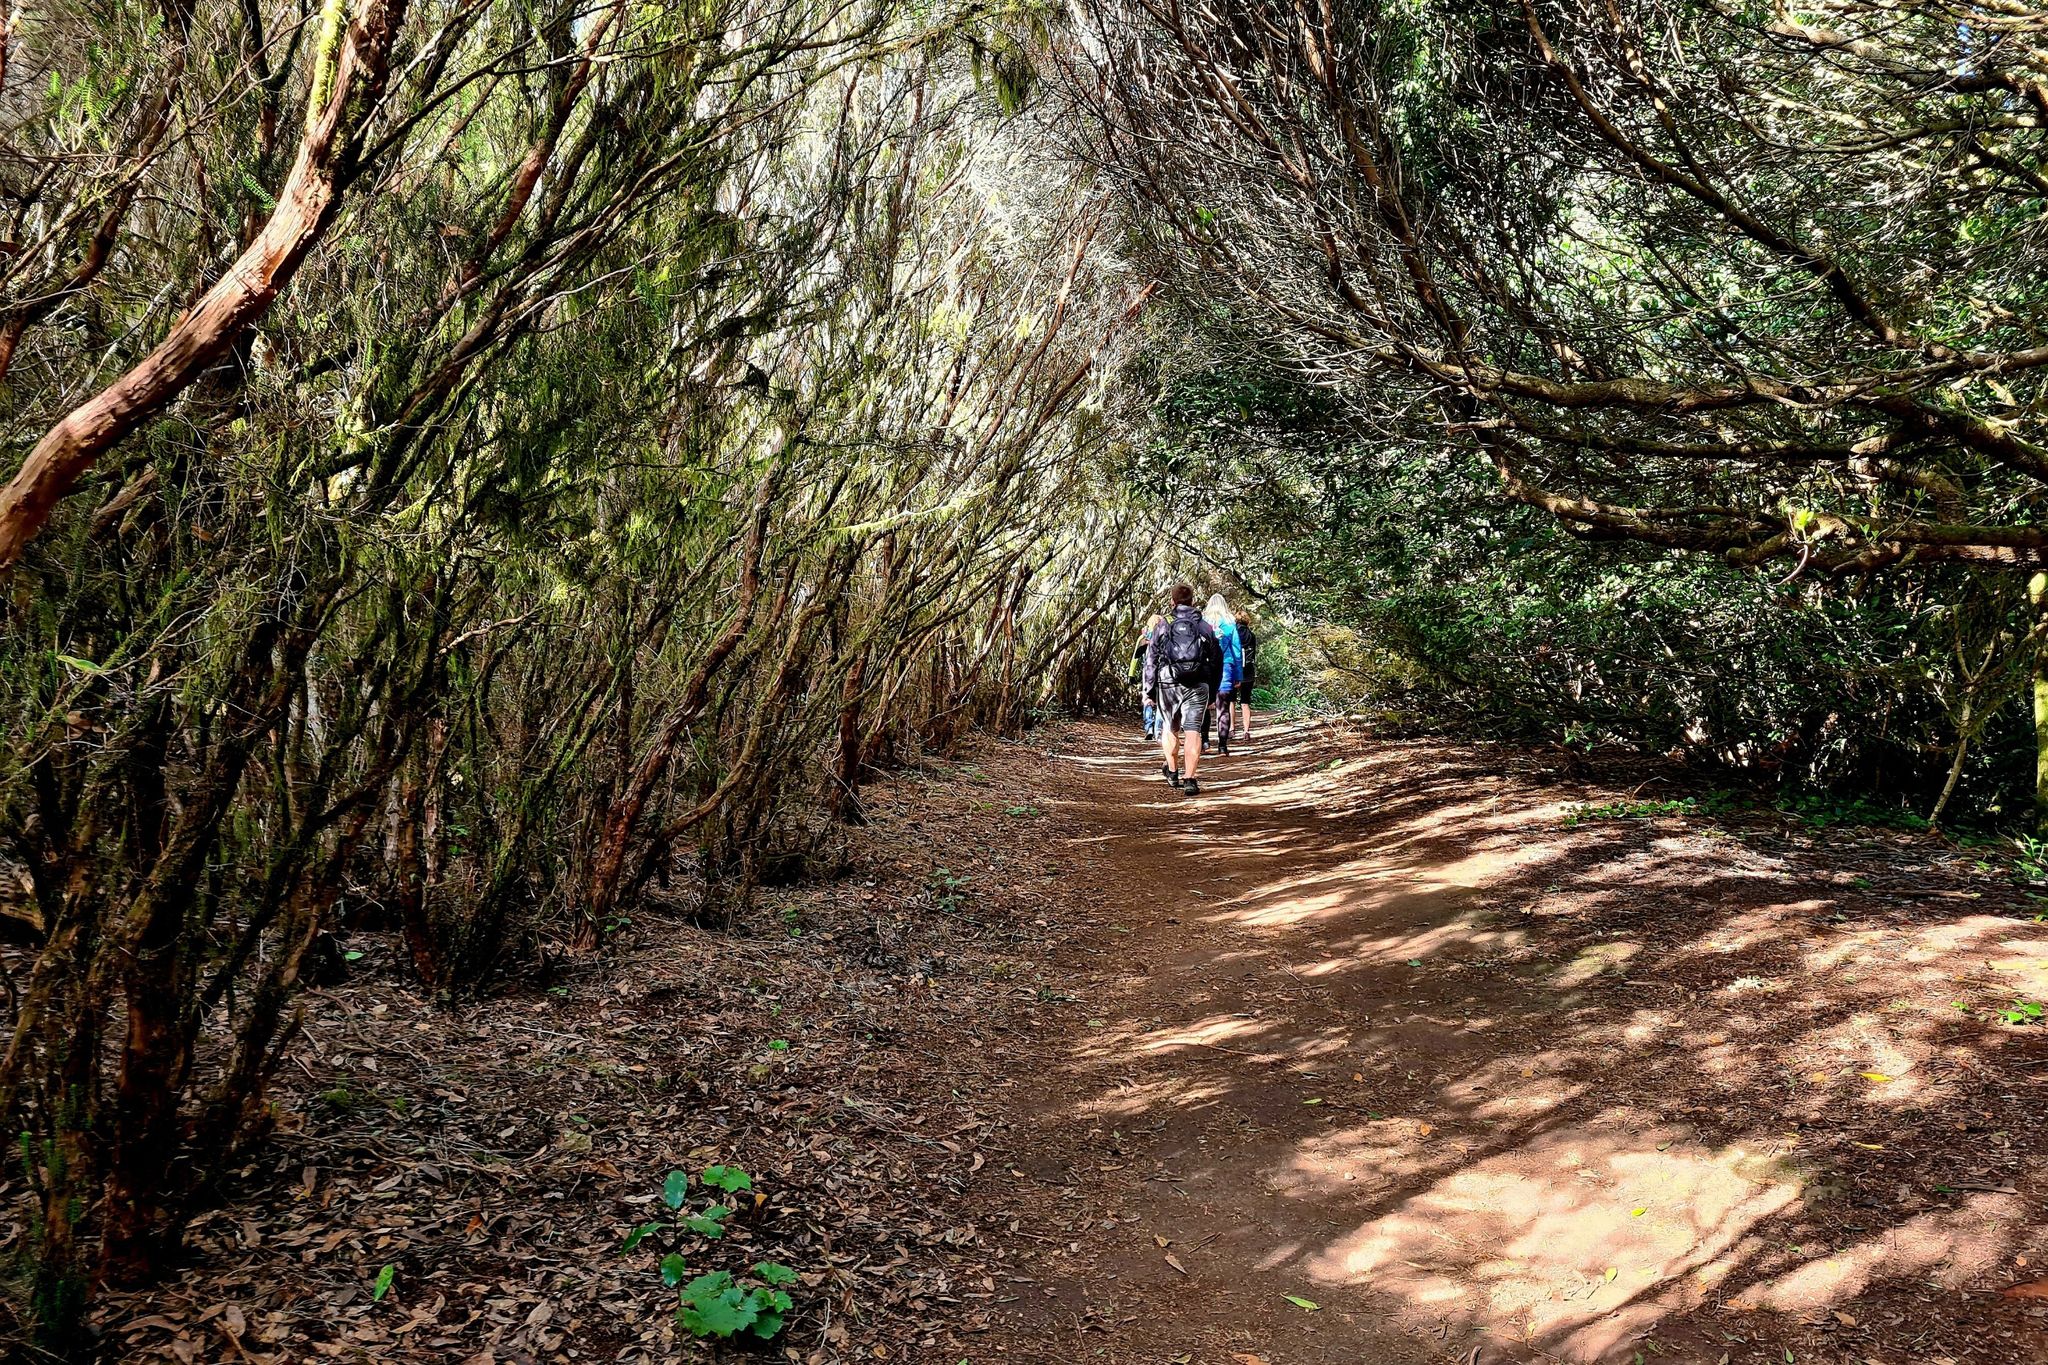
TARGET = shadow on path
x,y
1376,1029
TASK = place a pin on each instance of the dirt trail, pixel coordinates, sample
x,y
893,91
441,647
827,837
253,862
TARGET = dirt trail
x,y
1377,1030
1372,1024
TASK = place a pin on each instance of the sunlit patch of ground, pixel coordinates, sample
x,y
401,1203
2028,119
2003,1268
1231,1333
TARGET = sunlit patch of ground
x,y
1410,1045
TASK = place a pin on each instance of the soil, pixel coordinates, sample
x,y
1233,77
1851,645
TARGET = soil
x,y
1376,1052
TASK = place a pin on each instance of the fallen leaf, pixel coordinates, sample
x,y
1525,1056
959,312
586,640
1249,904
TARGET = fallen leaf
x,y
2033,1289
1174,1261
1637,1213
1424,1129
1247,1358
1161,1242
1874,1077
1305,1305
1612,1271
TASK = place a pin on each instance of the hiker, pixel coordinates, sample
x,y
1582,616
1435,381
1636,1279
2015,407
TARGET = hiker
x,y
1138,674
1248,644
1220,620
1183,667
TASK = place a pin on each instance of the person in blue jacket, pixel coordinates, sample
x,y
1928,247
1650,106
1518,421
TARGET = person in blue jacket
x,y
1219,617
1138,674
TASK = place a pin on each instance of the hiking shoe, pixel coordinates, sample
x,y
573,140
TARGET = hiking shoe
x,y
1190,787
1223,749
1166,770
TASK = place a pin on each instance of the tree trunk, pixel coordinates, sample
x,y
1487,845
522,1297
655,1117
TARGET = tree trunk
x,y
623,814
344,87
842,802
1965,731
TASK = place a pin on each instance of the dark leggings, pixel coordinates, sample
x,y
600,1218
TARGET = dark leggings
x,y
1223,704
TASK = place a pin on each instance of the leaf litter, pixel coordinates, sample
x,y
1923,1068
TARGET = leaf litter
x,y
456,1186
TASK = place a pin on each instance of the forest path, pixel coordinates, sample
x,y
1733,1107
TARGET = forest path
x,y
1377,1029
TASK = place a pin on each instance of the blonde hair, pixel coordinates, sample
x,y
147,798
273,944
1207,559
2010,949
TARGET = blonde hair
x,y
1218,611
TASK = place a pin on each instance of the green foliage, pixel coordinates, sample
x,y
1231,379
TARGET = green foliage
x,y
709,1221
948,890
715,1305
1413,596
2030,857
515,565
731,1179
1823,811
2023,1012
719,1307
1630,810
1551,447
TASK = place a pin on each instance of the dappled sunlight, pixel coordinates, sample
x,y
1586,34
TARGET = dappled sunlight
x,y
1954,1248
1133,1098
1431,1053
1593,960
1575,1238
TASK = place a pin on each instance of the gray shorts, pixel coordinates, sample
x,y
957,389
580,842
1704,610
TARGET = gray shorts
x,y
1182,705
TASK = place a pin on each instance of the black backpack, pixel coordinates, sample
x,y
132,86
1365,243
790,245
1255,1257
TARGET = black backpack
x,y
1180,650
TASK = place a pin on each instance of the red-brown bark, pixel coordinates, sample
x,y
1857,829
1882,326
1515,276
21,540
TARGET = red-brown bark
x,y
306,205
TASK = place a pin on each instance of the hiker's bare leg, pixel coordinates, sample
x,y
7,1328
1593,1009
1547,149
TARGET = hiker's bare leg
x,y
1169,737
1193,757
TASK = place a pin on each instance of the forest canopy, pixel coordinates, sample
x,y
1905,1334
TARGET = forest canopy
x,y
469,463
1752,284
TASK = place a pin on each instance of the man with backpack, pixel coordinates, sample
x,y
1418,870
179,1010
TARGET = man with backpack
x,y
1183,666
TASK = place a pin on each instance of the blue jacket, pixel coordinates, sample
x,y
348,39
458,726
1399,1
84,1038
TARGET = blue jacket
x,y
1233,656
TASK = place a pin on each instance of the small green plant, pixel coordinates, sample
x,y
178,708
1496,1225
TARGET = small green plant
x,y
949,890
1574,816
715,1304
1021,810
1817,811
2023,1012
718,1306
2030,858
